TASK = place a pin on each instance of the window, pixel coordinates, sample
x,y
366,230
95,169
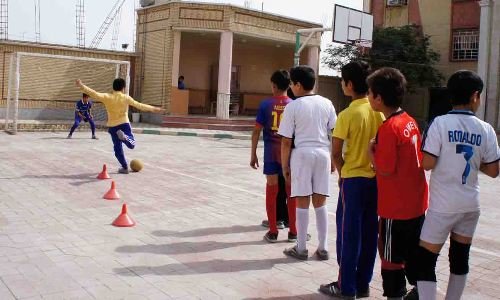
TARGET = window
x,y
397,2
465,44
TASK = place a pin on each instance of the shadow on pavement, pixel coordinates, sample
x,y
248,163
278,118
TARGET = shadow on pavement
x,y
203,267
184,247
209,231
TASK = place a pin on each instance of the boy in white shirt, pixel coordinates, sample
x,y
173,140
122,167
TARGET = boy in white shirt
x,y
309,120
456,147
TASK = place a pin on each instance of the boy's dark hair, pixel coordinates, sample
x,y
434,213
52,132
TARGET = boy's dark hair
x,y
181,77
390,84
462,85
290,94
305,75
85,95
281,79
118,84
356,72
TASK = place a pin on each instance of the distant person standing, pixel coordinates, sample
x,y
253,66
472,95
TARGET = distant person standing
x,y
180,83
83,113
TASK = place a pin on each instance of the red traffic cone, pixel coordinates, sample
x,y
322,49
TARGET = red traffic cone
x,y
123,219
112,194
104,173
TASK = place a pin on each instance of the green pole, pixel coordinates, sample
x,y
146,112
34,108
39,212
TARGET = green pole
x,y
296,58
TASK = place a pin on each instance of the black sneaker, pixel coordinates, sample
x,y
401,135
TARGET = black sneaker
x,y
69,136
123,171
333,290
363,294
292,238
94,137
271,237
279,224
412,294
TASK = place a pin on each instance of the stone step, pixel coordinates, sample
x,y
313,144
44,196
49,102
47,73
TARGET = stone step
x,y
209,126
209,120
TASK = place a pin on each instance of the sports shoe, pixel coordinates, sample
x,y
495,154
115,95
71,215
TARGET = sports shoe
x,y
271,237
292,238
279,224
123,171
121,135
412,294
333,290
322,255
95,137
69,136
363,294
295,253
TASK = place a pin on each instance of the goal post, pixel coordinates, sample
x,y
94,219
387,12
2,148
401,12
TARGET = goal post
x,y
44,85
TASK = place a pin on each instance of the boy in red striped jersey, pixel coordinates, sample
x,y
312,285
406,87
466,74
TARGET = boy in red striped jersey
x,y
401,183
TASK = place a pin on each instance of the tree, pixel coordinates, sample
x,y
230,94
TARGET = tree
x,y
404,48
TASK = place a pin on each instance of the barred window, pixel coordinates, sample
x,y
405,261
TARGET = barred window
x,y
465,44
397,2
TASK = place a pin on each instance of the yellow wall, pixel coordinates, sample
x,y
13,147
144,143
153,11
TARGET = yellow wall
x,y
198,55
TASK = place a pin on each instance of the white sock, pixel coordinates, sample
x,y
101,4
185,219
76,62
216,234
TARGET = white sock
x,y
456,285
302,223
322,226
427,290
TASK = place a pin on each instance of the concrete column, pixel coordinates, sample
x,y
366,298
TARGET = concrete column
x,y
484,52
224,83
176,57
313,62
313,58
494,70
367,6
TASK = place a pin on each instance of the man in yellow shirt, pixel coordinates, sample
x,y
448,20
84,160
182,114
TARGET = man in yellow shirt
x,y
116,105
357,220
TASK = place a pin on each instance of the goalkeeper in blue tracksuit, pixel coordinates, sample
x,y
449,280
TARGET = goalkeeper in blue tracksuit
x,y
83,113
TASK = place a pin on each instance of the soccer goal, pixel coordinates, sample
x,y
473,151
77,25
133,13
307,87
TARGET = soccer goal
x,y
42,86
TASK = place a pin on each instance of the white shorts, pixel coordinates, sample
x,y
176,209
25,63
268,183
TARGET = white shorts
x,y
437,226
310,171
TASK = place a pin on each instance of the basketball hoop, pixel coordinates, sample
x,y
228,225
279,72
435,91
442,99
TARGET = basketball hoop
x,y
363,45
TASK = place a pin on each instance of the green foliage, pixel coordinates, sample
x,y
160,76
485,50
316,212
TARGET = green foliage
x,y
404,48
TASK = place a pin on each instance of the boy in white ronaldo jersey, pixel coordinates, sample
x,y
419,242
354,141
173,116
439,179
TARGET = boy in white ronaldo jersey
x,y
309,119
456,147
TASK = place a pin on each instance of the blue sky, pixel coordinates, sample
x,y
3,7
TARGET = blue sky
x,y
58,24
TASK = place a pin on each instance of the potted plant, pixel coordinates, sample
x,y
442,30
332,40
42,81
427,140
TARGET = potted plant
x,y
136,115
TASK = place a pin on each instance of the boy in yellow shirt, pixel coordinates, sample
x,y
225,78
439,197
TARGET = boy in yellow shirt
x,y
117,104
357,219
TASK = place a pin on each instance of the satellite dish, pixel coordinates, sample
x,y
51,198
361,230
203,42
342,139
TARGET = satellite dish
x,y
145,3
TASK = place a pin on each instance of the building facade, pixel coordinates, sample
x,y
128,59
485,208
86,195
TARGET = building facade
x,y
225,53
489,61
453,27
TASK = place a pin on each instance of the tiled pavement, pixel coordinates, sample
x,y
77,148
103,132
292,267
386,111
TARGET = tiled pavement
x,y
197,204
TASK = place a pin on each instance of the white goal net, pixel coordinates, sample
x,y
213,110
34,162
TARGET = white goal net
x,y
42,86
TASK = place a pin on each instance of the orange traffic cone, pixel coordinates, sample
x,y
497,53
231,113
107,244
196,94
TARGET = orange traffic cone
x,y
112,194
123,219
104,173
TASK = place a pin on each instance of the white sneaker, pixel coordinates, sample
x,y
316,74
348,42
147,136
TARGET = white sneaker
x,y
121,135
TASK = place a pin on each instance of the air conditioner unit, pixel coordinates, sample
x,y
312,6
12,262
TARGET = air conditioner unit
x,y
397,2
145,3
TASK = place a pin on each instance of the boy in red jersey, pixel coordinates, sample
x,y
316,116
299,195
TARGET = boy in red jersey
x,y
401,183
268,120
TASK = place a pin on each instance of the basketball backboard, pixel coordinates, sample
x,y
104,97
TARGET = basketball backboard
x,y
352,26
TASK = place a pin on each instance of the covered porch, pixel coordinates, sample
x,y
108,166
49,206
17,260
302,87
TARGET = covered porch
x,y
227,74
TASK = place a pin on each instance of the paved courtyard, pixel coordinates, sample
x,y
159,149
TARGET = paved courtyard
x,y
198,206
